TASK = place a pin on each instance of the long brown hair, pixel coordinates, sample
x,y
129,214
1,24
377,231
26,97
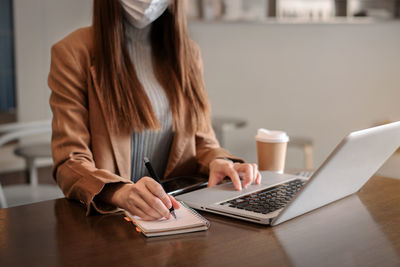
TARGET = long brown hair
x,y
174,63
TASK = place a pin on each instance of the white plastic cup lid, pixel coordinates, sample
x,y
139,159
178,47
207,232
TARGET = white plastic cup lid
x,y
269,136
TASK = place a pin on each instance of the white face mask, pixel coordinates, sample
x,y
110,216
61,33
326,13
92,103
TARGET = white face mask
x,y
143,12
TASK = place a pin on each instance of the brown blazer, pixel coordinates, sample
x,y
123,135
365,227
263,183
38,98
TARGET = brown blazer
x,y
87,154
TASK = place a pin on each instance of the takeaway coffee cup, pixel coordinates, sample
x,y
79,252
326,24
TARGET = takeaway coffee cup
x,y
271,150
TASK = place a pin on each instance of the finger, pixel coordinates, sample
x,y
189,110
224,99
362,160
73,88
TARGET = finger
x,y
247,170
157,198
250,176
174,202
138,212
257,174
212,180
140,204
142,215
159,192
258,178
234,177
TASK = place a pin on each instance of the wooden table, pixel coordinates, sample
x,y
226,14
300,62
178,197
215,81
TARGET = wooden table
x,y
360,230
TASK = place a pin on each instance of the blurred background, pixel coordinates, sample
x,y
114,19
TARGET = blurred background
x,y
316,69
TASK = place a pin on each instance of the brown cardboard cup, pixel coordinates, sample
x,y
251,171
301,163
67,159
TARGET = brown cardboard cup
x,y
271,150
271,156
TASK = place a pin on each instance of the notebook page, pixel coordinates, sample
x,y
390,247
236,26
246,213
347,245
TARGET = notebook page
x,y
184,218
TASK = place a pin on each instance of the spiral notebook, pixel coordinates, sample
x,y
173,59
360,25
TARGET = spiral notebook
x,y
187,220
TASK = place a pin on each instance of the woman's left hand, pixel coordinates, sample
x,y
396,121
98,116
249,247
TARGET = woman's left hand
x,y
241,174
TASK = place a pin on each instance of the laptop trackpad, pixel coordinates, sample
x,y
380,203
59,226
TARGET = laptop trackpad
x,y
210,195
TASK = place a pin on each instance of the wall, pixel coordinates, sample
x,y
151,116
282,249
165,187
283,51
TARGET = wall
x,y
314,80
39,24
320,81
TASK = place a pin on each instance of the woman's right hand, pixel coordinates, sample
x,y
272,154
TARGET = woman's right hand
x,y
146,199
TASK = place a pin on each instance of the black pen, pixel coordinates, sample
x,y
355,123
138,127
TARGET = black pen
x,y
155,177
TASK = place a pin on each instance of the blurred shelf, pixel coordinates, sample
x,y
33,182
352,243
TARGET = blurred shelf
x,y
294,11
300,21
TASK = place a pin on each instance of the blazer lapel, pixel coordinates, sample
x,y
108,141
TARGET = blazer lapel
x,y
177,149
120,143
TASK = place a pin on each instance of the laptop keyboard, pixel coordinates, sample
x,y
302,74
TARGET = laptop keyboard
x,y
267,200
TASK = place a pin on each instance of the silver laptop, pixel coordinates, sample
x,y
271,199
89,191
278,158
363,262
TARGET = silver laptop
x,y
281,197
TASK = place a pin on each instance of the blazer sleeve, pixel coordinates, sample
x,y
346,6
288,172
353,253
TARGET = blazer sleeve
x,y
208,149
207,145
74,168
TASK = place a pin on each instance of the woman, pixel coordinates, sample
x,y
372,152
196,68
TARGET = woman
x,y
128,87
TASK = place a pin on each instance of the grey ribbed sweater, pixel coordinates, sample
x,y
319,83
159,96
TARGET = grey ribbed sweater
x,y
154,145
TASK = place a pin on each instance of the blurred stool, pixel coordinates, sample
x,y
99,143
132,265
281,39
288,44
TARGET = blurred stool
x,y
391,168
222,124
13,195
306,144
31,153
